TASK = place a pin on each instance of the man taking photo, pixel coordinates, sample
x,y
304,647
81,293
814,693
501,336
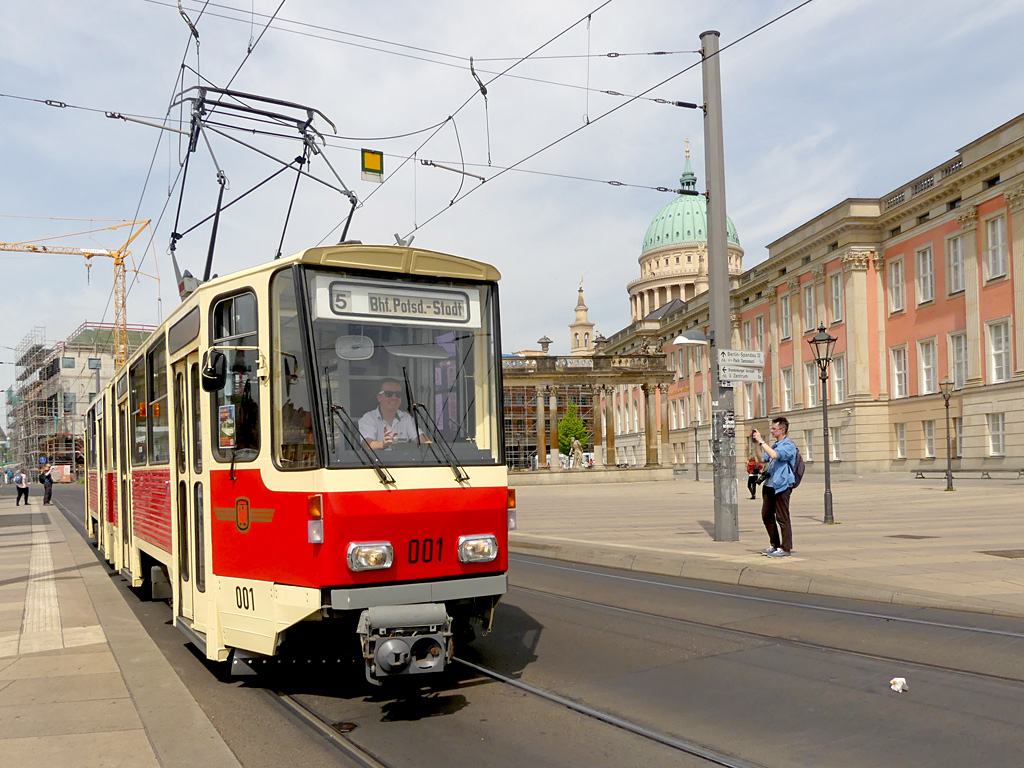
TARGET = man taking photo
x,y
777,488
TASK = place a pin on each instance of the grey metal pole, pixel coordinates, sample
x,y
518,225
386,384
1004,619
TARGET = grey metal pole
x,y
723,416
949,450
824,420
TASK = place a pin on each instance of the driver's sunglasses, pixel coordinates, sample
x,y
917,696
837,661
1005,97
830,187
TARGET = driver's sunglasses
x,y
390,393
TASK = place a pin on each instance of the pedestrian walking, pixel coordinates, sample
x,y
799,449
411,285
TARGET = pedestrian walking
x,y
47,480
754,467
21,483
778,488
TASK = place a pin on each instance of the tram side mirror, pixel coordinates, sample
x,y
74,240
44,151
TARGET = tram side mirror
x,y
215,373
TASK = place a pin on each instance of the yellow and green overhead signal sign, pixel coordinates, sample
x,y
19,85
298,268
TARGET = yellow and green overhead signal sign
x,y
373,165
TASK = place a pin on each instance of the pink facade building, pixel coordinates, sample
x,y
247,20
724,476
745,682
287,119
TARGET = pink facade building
x,y
924,283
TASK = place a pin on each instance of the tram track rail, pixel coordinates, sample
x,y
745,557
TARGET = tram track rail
x,y
788,640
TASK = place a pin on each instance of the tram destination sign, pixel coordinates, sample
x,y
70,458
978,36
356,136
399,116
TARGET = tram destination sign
x,y
752,357
396,304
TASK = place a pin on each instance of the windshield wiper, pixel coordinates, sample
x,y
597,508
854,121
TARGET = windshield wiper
x,y
349,430
437,438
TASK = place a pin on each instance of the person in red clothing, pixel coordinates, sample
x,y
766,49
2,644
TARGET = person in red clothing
x,y
754,467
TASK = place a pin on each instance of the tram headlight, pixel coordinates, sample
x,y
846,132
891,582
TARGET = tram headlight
x,y
370,556
482,548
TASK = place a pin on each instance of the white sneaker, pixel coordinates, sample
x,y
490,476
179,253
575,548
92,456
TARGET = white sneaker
x,y
768,551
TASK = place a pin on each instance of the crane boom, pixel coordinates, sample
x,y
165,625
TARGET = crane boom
x,y
120,293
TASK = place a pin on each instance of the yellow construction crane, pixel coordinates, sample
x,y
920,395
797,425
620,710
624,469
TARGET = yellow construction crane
x,y
119,255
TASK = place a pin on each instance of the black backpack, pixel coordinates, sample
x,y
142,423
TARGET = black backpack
x,y
798,468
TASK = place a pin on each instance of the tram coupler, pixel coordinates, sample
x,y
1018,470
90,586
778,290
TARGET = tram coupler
x,y
405,640
241,662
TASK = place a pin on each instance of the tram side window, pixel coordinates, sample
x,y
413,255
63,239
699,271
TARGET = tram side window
x,y
159,437
137,402
292,427
236,407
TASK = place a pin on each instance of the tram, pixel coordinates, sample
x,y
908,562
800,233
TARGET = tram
x,y
233,467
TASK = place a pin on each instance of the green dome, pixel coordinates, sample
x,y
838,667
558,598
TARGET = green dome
x,y
684,220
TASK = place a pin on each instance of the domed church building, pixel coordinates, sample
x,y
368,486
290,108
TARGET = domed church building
x,y
674,256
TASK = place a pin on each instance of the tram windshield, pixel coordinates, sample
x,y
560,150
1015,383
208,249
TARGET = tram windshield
x,y
395,372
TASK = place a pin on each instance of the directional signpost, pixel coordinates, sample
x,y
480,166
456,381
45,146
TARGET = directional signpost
x,y
740,365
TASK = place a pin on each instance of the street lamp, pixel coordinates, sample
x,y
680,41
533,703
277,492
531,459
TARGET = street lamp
x,y
823,344
946,387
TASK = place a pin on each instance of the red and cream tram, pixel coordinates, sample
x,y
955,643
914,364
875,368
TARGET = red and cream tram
x,y
230,461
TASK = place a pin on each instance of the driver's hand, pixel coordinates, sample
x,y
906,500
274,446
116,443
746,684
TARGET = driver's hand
x,y
389,438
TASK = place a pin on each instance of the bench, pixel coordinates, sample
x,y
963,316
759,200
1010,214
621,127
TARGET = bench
x,y
983,474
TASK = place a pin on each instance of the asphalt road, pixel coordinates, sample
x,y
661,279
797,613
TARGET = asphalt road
x,y
773,678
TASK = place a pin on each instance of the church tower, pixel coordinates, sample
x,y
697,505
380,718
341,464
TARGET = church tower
x,y
581,331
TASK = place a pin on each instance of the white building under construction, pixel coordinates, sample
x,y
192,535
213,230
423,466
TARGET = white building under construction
x,y
54,382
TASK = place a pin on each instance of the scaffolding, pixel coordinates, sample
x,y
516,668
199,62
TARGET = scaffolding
x,y
54,383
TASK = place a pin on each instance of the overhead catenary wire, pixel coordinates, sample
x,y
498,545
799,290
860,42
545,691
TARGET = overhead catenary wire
x,y
609,112
460,59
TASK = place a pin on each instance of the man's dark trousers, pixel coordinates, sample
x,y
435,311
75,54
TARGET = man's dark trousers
x,y
775,515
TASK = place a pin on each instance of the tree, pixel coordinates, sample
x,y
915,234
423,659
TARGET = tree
x,y
569,426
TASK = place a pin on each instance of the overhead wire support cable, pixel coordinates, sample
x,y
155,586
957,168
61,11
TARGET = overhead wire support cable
x,y
612,110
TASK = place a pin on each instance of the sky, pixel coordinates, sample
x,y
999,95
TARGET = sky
x,y
838,99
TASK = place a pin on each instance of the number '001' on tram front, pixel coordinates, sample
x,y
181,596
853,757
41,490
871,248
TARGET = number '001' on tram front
x,y
313,445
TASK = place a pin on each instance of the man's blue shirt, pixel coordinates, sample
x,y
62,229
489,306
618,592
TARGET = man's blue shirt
x,y
780,474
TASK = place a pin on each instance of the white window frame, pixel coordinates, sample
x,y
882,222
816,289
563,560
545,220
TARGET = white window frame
x,y
748,398
810,308
785,318
999,351
900,430
927,367
996,434
956,278
748,336
958,357
835,443
759,332
836,290
897,286
924,274
787,388
762,398
928,430
808,450
956,424
898,370
674,415
812,381
995,253
838,376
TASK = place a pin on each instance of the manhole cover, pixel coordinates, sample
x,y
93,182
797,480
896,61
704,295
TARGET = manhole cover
x,y
1011,553
909,536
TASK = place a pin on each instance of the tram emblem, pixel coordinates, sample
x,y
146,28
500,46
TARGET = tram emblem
x,y
243,515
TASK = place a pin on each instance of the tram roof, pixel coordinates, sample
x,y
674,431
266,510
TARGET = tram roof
x,y
398,259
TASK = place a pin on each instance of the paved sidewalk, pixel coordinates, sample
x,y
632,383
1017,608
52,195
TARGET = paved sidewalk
x,y
898,540
81,683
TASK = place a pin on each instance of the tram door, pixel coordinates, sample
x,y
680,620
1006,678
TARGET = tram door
x,y
188,495
124,481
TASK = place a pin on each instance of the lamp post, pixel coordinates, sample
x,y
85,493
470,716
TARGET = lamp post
x,y
946,387
696,456
823,344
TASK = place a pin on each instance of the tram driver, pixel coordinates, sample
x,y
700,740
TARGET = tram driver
x,y
387,424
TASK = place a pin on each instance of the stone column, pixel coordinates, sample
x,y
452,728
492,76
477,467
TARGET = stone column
x,y
775,399
855,264
666,450
597,394
651,453
553,409
796,313
609,432
968,220
542,438
882,315
1015,204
